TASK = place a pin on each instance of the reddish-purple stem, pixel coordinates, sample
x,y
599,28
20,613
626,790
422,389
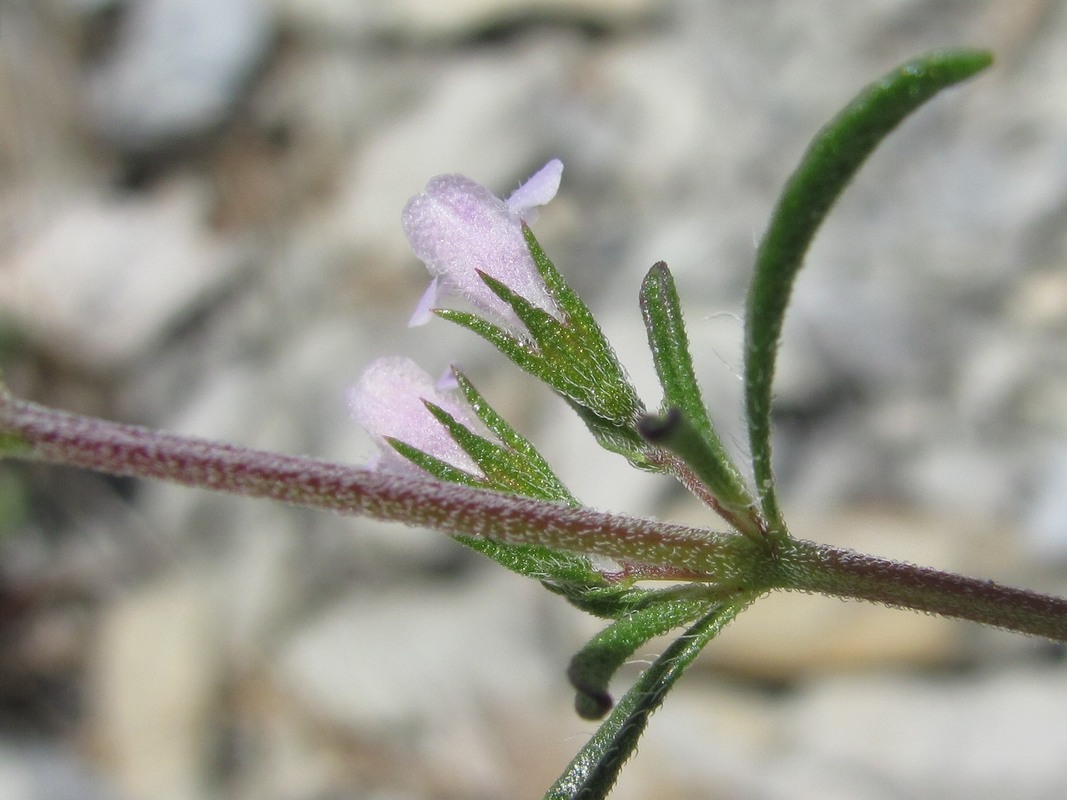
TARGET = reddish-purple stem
x,y
643,547
666,550
812,567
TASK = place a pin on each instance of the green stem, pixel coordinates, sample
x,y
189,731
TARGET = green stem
x,y
810,567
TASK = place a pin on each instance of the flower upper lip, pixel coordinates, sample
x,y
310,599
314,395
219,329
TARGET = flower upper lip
x,y
538,190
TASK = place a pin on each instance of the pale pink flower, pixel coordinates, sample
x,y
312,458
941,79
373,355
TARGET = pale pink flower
x,y
388,401
458,227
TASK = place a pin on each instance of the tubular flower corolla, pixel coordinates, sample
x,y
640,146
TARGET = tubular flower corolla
x,y
458,227
389,402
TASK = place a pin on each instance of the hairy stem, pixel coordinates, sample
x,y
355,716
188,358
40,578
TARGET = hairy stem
x,y
677,552
35,432
810,567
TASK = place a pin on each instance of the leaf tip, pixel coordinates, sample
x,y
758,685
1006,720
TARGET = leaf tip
x,y
592,704
658,427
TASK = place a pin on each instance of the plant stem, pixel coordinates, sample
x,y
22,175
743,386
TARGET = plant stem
x,y
35,432
810,567
672,552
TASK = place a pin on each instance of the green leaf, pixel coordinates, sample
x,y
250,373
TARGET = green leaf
x,y
832,158
606,601
593,772
593,667
574,309
523,456
517,471
504,469
521,353
576,361
441,470
542,564
669,342
690,434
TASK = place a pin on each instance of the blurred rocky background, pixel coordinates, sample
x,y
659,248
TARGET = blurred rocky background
x,y
199,205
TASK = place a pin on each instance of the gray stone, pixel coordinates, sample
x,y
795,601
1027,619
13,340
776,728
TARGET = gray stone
x,y
43,772
373,661
155,678
105,277
416,18
987,737
178,68
1046,523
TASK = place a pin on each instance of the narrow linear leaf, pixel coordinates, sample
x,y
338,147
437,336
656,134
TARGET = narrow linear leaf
x,y
593,667
521,353
832,158
593,772
542,564
573,307
606,601
576,363
693,437
504,470
435,466
534,464
669,343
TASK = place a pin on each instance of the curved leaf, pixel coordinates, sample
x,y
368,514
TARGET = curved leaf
x,y
832,158
593,772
